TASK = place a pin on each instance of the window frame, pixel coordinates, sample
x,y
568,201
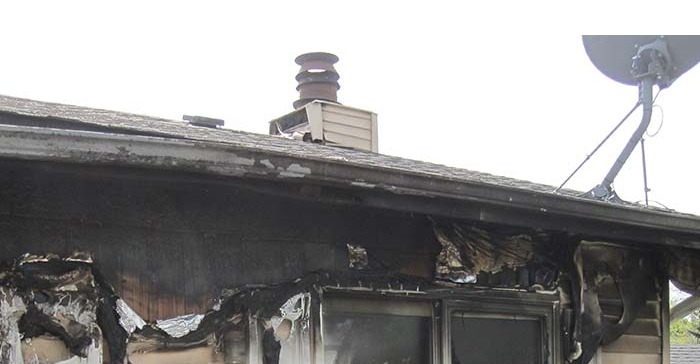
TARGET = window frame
x,y
545,311
543,307
340,293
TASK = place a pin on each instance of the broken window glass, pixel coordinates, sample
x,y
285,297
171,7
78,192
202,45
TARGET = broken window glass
x,y
359,331
478,338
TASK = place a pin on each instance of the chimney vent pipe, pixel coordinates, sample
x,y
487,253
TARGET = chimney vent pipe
x,y
317,78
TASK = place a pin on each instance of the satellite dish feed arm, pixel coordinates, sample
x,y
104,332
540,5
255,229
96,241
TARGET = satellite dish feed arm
x,y
650,67
604,190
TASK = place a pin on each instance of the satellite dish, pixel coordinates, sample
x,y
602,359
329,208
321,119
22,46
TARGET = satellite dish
x,y
643,61
613,54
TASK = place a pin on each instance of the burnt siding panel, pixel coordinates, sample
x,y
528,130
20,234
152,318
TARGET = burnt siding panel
x,y
164,296
643,326
613,308
322,257
169,247
133,261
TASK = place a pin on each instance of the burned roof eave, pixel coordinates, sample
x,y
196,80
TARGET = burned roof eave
x,y
43,144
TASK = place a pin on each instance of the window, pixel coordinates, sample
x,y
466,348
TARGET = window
x,y
491,339
359,331
472,331
498,332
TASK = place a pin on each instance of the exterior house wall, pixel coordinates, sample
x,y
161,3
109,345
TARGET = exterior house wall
x,y
169,246
169,243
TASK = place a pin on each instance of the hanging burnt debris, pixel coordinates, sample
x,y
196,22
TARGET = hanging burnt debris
x,y
12,308
357,257
472,254
63,298
66,299
683,267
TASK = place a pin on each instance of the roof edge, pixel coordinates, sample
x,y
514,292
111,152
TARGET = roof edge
x,y
30,143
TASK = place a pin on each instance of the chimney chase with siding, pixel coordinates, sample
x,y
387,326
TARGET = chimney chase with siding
x,y
318,116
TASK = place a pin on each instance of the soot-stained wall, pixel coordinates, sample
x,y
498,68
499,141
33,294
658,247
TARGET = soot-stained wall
x,y
168,243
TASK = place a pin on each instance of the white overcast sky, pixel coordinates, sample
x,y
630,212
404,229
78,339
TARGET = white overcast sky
x,y
504,88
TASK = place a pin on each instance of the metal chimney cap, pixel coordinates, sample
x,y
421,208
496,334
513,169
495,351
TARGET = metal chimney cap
x,y
317,78
316,56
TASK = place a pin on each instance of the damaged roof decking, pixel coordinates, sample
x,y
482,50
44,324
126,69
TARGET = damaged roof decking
x,y
265,156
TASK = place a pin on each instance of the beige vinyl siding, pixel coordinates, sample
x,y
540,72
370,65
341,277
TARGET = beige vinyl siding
x,y
642,343
348,130
348,127
346,110
628,358
332,116
347,141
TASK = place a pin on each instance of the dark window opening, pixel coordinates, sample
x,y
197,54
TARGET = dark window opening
x,y
376,332
495,339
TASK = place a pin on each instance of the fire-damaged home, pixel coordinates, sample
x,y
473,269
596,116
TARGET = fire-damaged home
x,y
132,239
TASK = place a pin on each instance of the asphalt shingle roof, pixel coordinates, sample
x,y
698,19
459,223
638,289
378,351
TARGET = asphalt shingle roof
x,y
154,126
